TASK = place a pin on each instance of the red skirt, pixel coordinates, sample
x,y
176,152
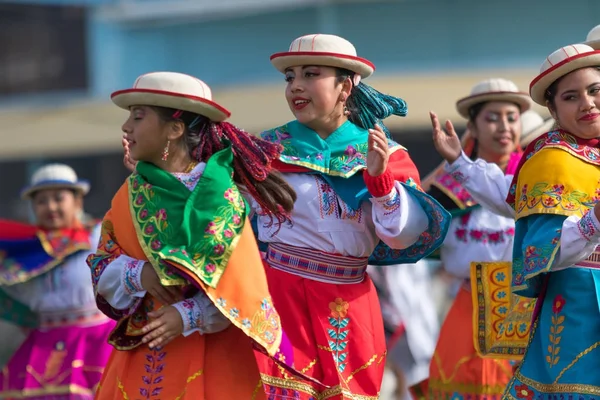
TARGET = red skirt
x,y
335,329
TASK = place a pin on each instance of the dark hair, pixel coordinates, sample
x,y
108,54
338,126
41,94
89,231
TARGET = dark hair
x,y
368,106
251,163
552,91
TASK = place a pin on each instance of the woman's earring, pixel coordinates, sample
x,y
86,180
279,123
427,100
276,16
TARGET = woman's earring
x,y
346,111
165,153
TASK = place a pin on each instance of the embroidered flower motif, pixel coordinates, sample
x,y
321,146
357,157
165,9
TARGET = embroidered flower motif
x,y
219,249
524,392
136,184
222,302
522,328
156,245
558,304
246,323
500,276
211,228
339,308
140,200
149,229
234,312
230,195
144,214
228,233
161,214
350,150
210,268
265,304
236,219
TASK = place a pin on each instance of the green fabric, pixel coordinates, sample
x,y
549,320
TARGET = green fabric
x,y
342,154
16,312
195,229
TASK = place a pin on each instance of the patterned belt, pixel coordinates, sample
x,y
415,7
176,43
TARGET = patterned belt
x,y
80,316
317,265
593,261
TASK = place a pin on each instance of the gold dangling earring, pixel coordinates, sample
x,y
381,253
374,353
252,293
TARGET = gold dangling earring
x,y
165,153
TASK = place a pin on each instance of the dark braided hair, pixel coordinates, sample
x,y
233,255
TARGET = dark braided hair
x,y
368,106
251,162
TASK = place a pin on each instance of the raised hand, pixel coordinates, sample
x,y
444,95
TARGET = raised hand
x,y
378,154
446,143
127,160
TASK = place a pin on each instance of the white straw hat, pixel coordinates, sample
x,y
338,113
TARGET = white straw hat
x,y
321,49
533,126
495,89
171,90
55,176
560,63
593,38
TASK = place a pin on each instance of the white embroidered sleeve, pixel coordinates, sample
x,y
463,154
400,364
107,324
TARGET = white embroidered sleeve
x,y
485,181
578,240
120,283
199,314
399,219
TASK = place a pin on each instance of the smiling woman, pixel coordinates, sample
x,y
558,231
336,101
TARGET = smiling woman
x,y
359,203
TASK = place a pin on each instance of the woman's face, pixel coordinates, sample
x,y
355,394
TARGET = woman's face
x,y
146,134
315,95
56,208
497,128
577,103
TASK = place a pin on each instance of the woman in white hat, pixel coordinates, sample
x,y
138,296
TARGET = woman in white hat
x,y
177,264
45,287
493,110
593,38
358,204
554,199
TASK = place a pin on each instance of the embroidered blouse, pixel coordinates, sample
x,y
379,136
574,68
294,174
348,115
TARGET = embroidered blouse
x,y
489,186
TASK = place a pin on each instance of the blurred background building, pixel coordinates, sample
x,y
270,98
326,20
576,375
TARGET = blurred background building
x,y
61,59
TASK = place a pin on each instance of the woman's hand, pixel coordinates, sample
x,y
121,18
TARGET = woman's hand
x,y
151,283
166,327
127,160
378,154
447,143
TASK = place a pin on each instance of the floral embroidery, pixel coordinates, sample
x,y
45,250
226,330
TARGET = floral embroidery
x,y
439,221
328,202
265,322
463,234
190,314
524,392
555,330
339,161
339,320
546,196
132,274
451,186
208,256
389,203
351,214
154,368
587,226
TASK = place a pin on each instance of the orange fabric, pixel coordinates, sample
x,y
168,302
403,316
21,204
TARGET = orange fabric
x,y
212,367
199,367
242,288
456,371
